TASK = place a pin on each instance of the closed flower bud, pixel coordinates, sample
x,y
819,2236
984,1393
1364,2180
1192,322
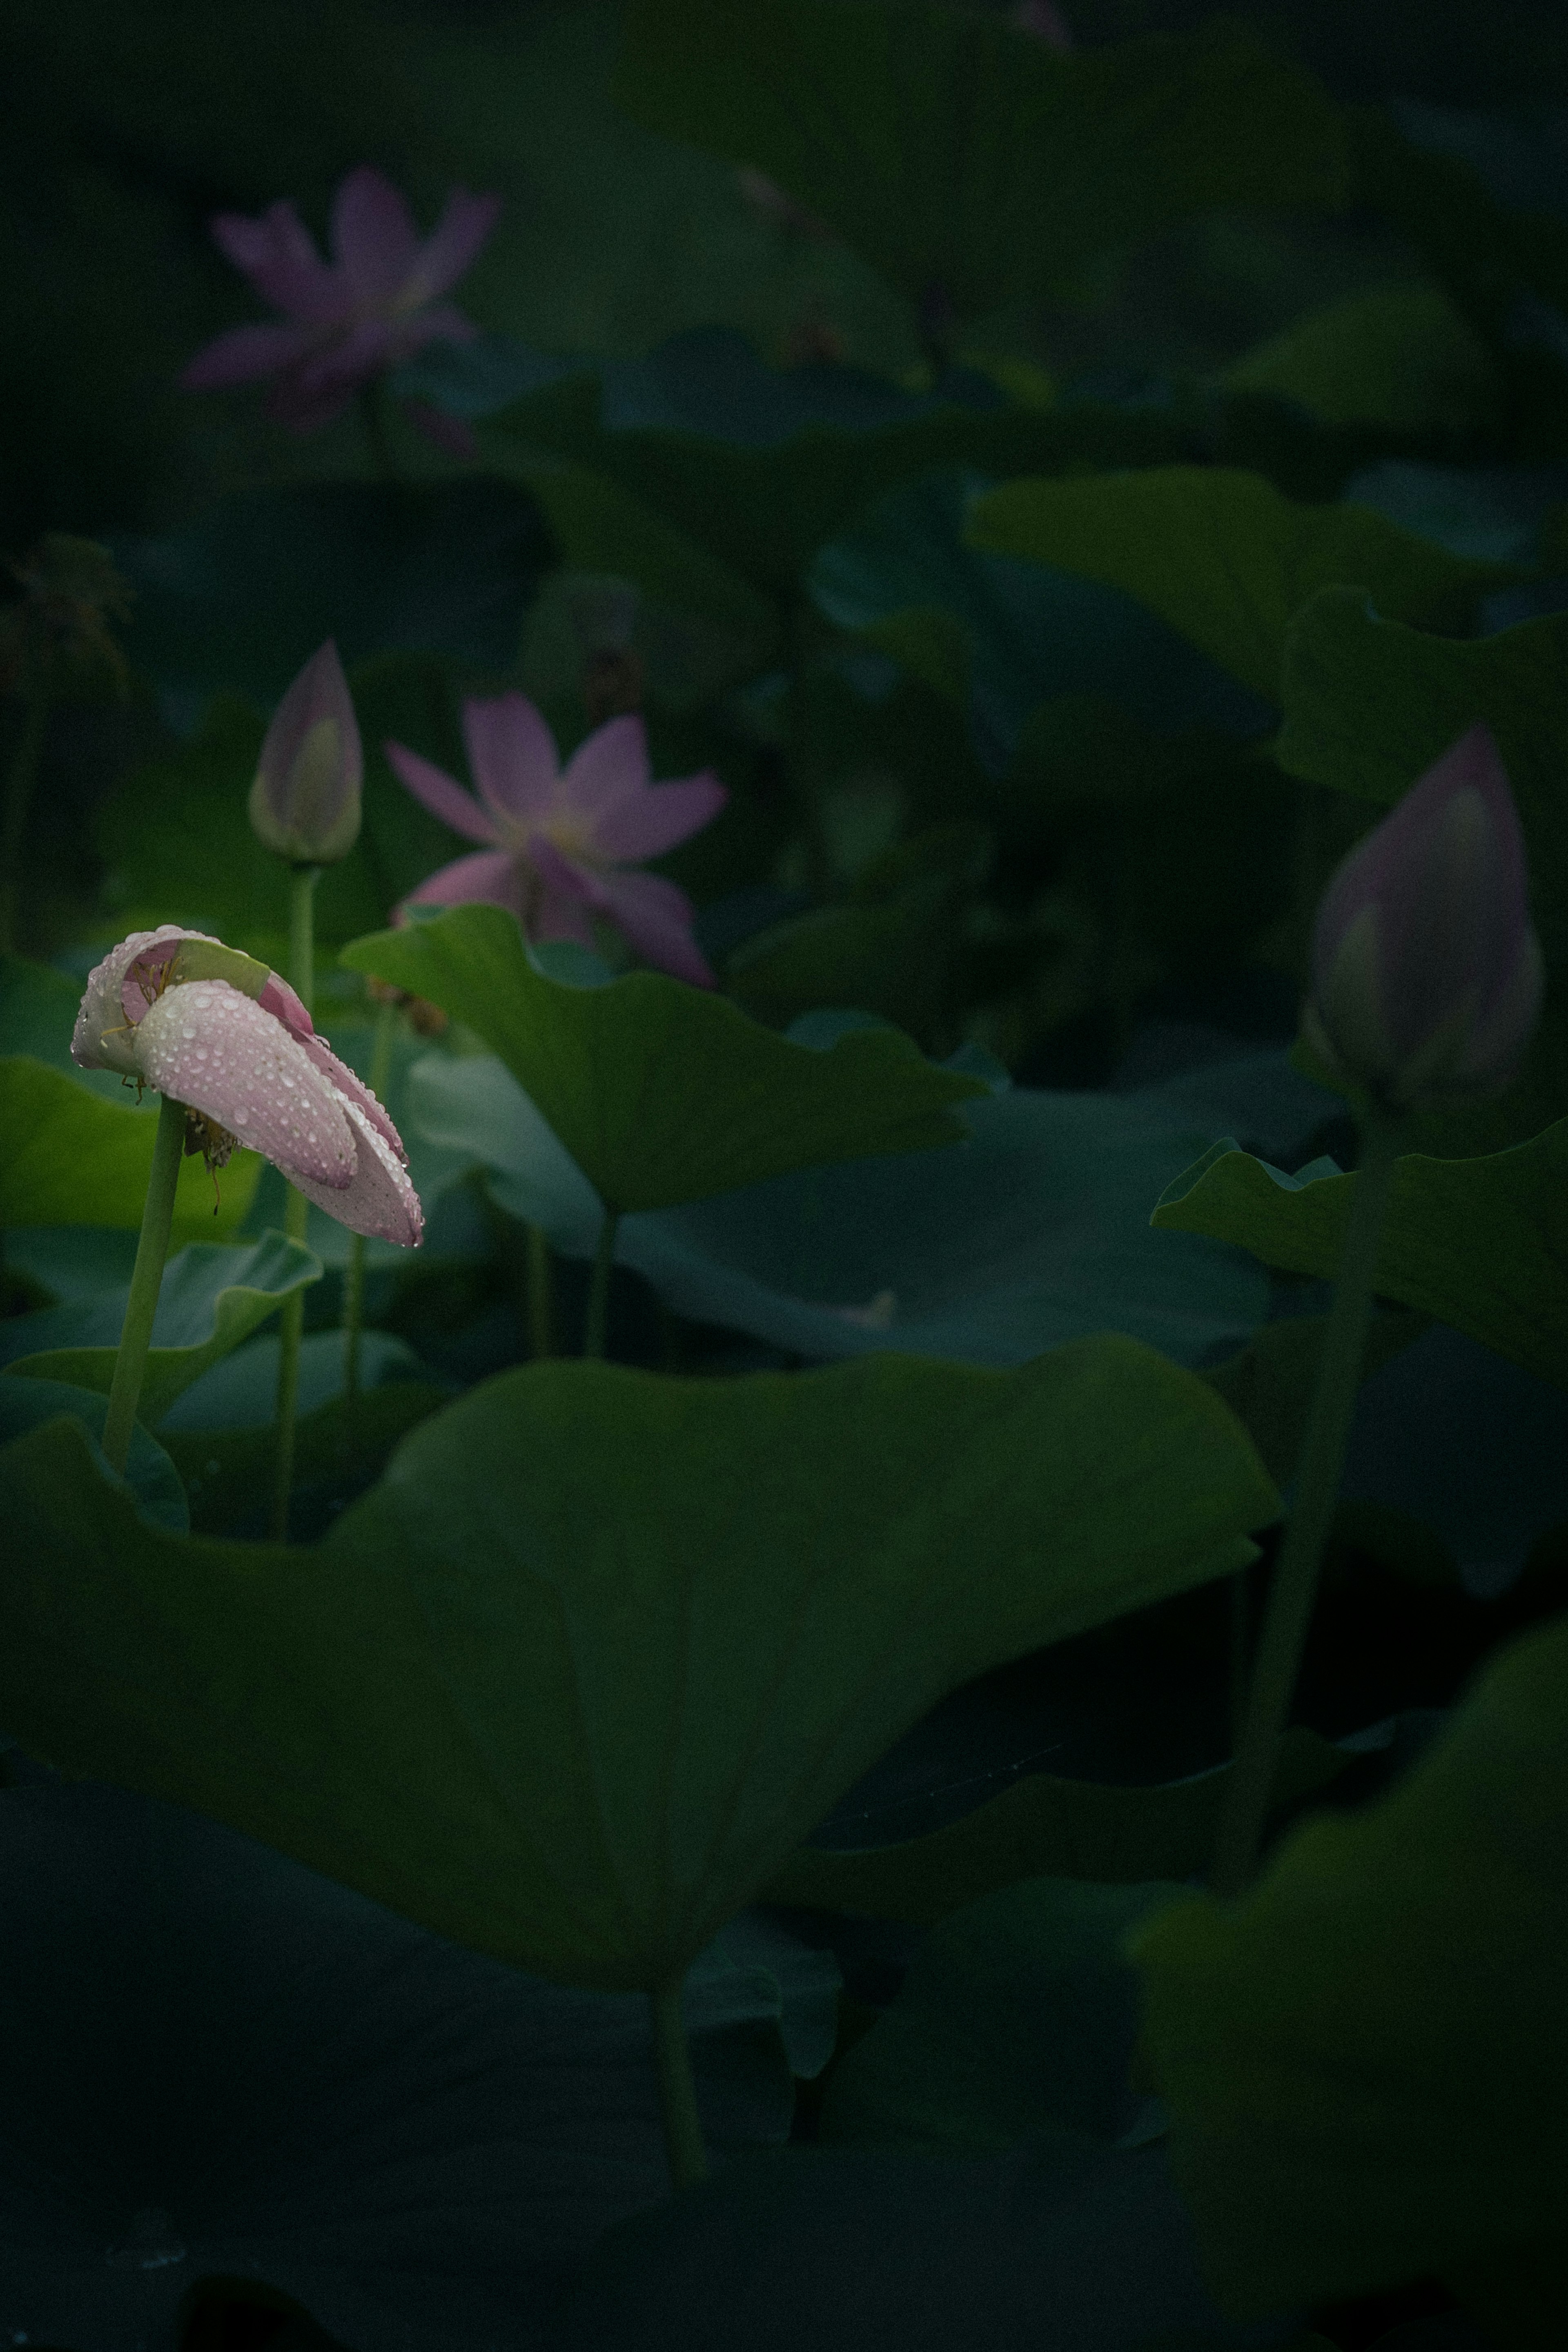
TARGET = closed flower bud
x,y
1426,973
305,801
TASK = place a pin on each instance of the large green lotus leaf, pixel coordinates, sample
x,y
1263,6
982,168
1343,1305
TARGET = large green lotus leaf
x,y
1005,635
1371,703
965,161
70,1157
222,2059
338,1449
239,600
149,1473
1269,1384
213,1296
1224,558
764,506
1479,1244
178,843
660,1091
574,1679
38,1015
1364,2058
1017,2020
1398,356
1044,1827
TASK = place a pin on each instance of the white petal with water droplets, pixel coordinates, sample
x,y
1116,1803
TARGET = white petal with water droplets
x,y
216,1049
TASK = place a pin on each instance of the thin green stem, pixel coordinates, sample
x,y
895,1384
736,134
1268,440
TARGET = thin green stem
x,y
1295,1581
677,2091
354,1288
800,783
599,1286
1240,1645
540,1299
302,884
151,1249
19,785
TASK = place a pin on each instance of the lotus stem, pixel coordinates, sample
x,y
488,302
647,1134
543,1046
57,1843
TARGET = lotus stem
x,y
599,1286
146,1279
677,2090
302,884
1295,1582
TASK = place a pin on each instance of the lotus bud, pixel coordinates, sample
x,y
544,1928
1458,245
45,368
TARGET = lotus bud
x,y
305,801
1426,973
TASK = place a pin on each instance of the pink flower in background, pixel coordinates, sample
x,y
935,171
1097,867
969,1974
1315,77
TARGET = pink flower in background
x,y
1045,21
348,320
1427,973
218,1032
558,839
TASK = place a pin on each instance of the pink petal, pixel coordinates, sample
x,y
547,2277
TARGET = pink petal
x,y
654,820
452,245
441,322
493,878
218,1051
278,999
373,237
440,794
556,915
356,1094
278,256
103,1038
304,410
569,879
513,754
349,360
378,1199
608,766
245,353
453,433
656,920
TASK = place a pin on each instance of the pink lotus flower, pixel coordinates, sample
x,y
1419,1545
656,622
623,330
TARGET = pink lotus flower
x,y
1426,973
1045,21
305,800
348,320
216,1031
557,836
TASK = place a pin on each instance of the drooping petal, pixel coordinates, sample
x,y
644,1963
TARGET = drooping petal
x,y
492,877
654,820
513,754
609,767
373,237
451,246
216,1050
440,794
103,1038
655,918
278,999
277,254
246,355
353,1090
378,1200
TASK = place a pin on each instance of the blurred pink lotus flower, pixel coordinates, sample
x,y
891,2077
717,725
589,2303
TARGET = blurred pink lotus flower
x,y
557,837
348,320
305,800
1426,973
1046,22
219,1032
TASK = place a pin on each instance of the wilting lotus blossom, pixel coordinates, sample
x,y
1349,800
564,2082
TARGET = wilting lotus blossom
x,y
1427,974
559,839
348,320
214,1030
305,800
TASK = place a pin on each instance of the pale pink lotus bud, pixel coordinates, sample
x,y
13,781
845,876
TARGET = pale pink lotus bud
x,y
222,1034
1426,973
305,801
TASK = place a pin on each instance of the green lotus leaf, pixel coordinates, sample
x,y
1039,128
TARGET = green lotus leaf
x,y
1224,558
661,1092
213,1296
1364,2058
72,1157
579,1675
1511,1294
